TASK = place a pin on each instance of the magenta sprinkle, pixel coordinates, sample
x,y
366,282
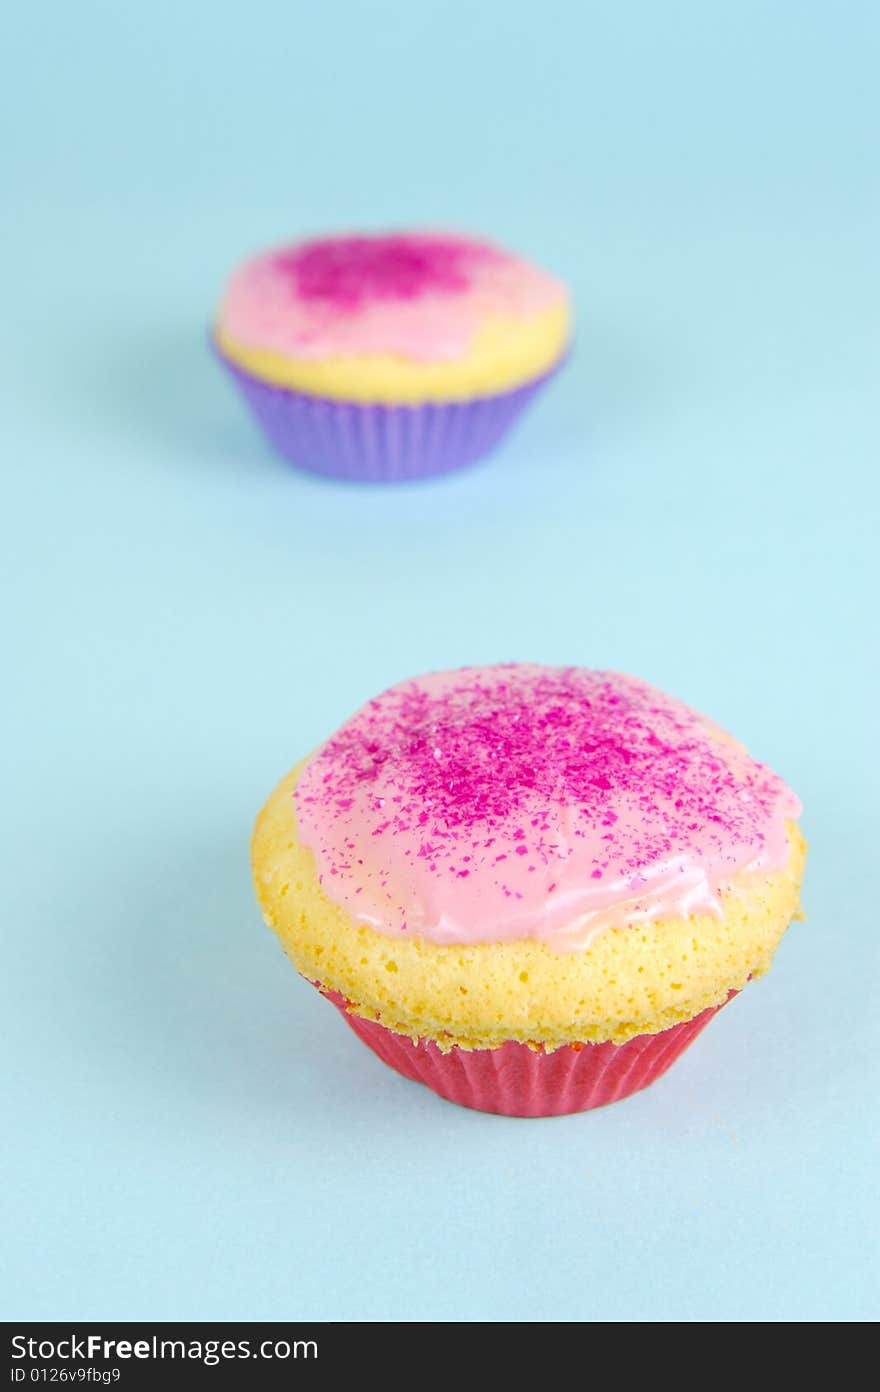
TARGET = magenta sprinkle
x,y
347,272
472,797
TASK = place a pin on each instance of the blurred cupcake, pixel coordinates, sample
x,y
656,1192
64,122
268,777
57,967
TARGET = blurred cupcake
x,y
529,888
396,356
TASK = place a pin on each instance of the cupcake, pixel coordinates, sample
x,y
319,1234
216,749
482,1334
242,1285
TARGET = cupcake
x,y
396,356
529,888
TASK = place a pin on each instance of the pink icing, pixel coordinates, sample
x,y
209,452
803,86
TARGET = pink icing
x,y
350,272
517,801
417,294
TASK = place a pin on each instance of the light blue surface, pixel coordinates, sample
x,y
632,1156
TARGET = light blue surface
x,y
192,1132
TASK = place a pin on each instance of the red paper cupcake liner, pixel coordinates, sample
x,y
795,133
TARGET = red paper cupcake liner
x,y
514,1080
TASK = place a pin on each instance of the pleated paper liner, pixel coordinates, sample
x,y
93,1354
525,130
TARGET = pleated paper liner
x,y
375,443
514,1080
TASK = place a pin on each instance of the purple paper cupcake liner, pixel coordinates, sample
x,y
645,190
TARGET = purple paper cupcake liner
x,y
375,443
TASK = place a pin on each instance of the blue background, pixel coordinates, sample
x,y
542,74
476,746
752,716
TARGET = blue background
x,y
191,1131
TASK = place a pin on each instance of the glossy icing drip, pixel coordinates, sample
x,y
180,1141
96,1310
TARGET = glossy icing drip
x,y
517,801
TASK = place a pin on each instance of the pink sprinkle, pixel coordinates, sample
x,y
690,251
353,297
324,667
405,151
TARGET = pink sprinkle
x,y
618,778
347,272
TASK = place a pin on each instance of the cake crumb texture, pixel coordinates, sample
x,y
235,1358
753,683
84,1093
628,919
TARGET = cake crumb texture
x,y
636,979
